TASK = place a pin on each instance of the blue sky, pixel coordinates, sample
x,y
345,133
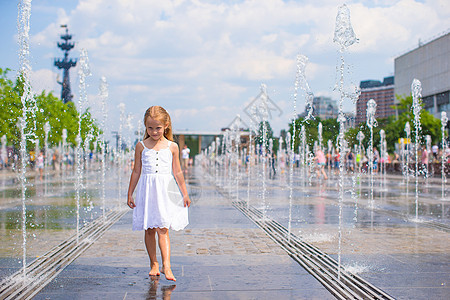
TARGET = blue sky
x,y
204,61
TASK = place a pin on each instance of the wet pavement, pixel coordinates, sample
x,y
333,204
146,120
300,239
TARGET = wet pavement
x,y
51,212
223,255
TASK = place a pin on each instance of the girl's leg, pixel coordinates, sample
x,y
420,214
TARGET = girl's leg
x,y
150,244
164,246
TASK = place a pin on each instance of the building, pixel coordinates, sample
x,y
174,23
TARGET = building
x,y
429,63
326,108
349,120
323,108
381,92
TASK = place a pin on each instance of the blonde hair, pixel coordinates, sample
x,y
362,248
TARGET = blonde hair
x,y
161,115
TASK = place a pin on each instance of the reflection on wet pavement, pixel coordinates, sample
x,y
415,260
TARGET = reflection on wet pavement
x,y
51,213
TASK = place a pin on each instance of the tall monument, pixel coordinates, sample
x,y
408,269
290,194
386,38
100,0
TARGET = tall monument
x,y
65,64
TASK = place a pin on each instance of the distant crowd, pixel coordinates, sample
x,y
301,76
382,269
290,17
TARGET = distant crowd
x,y
325,162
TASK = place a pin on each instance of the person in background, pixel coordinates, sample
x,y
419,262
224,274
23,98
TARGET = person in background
x,y
376,159
435,150
40,165
337,159
185,158
425,160
350,162
321,160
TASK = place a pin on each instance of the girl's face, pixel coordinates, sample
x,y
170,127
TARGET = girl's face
x,y
155,128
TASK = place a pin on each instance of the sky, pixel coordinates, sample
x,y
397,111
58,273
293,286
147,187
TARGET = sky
x,y
204,61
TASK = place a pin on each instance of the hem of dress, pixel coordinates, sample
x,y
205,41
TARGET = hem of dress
x,y
167,227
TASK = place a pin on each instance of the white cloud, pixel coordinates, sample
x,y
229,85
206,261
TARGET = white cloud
x,y
45,79
47,36
221,116
395,27
441,7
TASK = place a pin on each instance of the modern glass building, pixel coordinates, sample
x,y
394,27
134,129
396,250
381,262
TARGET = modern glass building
x,y
325,108
429,63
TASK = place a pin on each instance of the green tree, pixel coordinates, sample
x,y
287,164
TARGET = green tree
x,y
395,127
49,109
269,135
10,108
330,131
260,134
351,134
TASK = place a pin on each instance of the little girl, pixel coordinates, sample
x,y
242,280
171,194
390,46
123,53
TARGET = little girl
x,y
159,204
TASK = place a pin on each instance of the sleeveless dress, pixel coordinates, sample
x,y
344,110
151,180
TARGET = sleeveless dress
x,y
159,203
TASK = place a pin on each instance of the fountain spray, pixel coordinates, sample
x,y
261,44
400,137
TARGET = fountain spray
x,y
290,159
236,140
301,65
4,155
330,152
319,130
371,122
382,158
129,125
119,150
428,139
46,131
360,136
444,121
303,153
27,121
259,112
250,153
104,99
416,90
407,150
83,72
279,153
344,36
228,154
264,116
301,82
223,157
216,160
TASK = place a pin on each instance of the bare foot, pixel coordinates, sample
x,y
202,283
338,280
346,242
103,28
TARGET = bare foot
x,y
154,270
168,273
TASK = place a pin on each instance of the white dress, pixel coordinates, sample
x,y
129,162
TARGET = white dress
x,y
159,203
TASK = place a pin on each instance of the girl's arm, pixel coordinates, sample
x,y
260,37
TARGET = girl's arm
x,y
135,174
178,174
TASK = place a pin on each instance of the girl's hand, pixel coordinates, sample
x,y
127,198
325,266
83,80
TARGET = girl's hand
x,y
130,203
187,201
